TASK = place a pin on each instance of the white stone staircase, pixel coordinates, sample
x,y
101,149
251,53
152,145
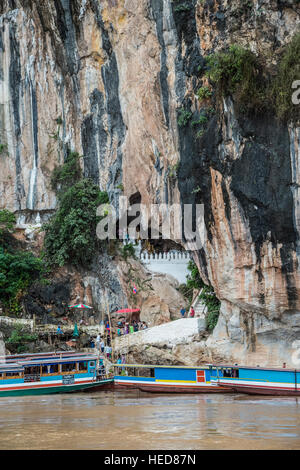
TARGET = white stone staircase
x,y
174,263
199,306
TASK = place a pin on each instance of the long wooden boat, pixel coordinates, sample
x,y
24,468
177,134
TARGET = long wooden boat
x,y
43,374
166,379
257,380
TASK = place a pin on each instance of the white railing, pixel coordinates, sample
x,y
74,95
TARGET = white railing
x,y
17,321
168,257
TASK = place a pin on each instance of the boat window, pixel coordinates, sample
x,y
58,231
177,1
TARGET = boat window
x,y
12,374
145,372
45,370
136,371
231,373
32,370
69,367
92,364
82,365
130,372
53,368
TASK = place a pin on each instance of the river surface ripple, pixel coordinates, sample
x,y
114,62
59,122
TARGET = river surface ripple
x,y
139,421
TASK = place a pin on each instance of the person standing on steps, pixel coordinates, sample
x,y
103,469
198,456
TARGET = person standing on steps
x,y
59,331
192,312
98,341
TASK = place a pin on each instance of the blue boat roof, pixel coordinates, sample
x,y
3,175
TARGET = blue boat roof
x,y
37,356
237,366
14,366
151,366
55,360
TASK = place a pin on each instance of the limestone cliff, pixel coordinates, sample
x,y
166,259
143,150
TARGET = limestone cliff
x,y
111,79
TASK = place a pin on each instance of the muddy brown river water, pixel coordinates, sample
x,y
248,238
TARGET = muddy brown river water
x,y
139,421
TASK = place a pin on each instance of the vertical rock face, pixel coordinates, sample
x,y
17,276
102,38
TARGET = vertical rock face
x,y
111,79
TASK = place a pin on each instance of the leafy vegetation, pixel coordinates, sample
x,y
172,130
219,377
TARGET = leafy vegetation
x,y
204,93
71,232
120,187
7,224
173,171
3,149
200,124
194,282
59,121
17,271
202,120
128,251
20,339
288,73
237,71
213,305
68,174
184,117
18,268
182,7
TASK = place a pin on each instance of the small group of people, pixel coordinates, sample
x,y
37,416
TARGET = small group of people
x,y
83,322
125,328
105,349
183,312
121,360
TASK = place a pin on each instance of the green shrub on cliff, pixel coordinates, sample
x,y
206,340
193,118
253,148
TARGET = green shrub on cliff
x,y
71,233
3,148
20,339
288,73
66,175
128,251
7,224
208,296
184,117
18,270
236,71
213,305
204,93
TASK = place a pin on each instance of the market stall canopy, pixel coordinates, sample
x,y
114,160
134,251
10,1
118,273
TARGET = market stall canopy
x,y
131,314
127,310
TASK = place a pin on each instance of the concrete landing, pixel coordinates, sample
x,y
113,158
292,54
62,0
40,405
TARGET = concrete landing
x,y
176,332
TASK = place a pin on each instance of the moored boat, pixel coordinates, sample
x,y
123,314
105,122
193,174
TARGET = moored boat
x,y
257,380
166,379
49,373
